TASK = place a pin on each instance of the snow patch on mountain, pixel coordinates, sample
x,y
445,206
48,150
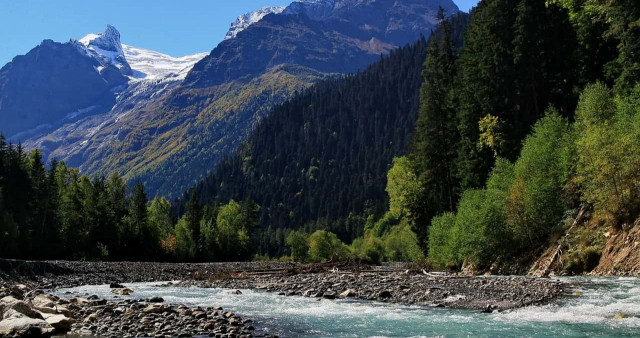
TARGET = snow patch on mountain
x,y
107,48
152,65
246,20
137,63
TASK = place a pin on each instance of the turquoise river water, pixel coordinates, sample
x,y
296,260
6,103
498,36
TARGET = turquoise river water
x,y
591,314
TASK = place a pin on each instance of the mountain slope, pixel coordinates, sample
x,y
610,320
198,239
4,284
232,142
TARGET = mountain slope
x,y
52,83
182,136
82,87
321,159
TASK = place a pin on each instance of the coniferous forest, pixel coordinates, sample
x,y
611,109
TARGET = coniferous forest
x,y
476,147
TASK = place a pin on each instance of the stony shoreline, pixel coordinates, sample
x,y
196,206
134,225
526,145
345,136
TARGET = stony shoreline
x,y
26,309
486,294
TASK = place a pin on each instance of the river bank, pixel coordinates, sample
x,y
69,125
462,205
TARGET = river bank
x,y
119,315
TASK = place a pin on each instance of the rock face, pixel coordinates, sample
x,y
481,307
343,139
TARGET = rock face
x,y
52,83
329,36
246,20
620,255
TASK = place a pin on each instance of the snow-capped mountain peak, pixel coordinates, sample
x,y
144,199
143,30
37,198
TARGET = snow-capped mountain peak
x,y
246,20
152,65
108,40
107,48
137,63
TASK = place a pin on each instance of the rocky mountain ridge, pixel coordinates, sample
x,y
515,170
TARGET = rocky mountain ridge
x,y
169,132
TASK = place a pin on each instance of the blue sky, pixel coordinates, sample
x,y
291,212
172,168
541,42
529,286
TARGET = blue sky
x,y
176,27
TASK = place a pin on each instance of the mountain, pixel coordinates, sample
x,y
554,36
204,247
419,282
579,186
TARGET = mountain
x,y
177,140
53,83
90,84
321,159
246,20
169,128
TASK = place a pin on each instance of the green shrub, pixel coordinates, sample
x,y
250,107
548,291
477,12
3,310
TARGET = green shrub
x,y
403,187
368,250
325,246
536,201
440,241
480,233
583,261
401,244
608,150
296,241
384,225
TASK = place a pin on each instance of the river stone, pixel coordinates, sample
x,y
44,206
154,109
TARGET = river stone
x,y
10,303
155,300
43,301
60,322
25,327
348,293
154,308
91,318
122,291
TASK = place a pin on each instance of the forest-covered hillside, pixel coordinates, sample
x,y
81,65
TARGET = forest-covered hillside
x,y
320,160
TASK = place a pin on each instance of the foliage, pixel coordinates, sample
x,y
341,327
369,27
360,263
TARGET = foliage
x,y
320,160
536,200
402,187
297,242
401,244
233,232
185,243
480,232
491,134
608,149
369,250
441,251
325,246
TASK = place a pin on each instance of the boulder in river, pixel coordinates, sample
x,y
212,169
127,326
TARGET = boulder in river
x,y
9,304
348,293
122,291
60,322
23,326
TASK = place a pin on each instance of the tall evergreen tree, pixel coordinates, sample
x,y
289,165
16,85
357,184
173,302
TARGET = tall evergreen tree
x,y
516,60
434,143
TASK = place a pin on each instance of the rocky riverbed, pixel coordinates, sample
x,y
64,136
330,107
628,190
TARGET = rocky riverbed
x,y
485,294
26,308
33,313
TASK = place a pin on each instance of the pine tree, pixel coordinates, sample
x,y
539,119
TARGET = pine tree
x,y
193,216
436,136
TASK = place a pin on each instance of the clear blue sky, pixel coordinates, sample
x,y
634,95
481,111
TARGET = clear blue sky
x,y
176,27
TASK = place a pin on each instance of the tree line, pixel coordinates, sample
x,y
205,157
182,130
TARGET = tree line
x,y
54,212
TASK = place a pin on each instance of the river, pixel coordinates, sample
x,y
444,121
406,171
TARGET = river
x,y
592,308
